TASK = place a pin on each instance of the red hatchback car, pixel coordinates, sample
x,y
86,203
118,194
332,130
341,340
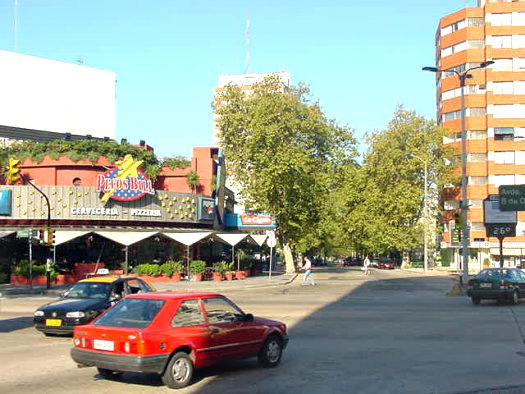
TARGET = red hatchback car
x,y
173,333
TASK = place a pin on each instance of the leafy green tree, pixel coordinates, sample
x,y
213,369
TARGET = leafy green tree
x,y
387,204
284,155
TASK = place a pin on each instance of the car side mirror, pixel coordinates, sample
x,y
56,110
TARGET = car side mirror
x,y
248,317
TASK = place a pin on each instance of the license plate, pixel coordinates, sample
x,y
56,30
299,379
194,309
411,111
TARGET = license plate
x,y
53,322
103,345
486,285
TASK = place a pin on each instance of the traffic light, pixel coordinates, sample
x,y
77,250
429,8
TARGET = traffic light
x,y
13,171
457,221
46,236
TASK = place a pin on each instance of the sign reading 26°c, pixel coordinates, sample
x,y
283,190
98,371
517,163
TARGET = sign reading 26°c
x,y
124,182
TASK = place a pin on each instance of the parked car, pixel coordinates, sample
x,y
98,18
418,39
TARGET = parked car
x,y
84,301
497,284
386,264
172,333
352,261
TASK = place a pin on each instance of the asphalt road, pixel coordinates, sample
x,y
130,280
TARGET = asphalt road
x,y
390,332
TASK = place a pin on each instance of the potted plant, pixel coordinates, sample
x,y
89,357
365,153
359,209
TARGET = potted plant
x,y
197,269
172,269
239,274
218,271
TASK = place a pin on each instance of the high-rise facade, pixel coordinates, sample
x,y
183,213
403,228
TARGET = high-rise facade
x,y
495,116
244,82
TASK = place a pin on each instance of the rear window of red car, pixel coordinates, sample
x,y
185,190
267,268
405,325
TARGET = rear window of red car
x,y
131,313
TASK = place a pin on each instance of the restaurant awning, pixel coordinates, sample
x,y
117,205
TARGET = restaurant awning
x,y
188,238
63,236
258,238
126,237
6,233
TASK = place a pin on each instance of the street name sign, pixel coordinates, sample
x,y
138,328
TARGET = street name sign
x,y
512,197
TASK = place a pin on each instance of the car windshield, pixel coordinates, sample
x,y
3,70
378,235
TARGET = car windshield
x,y
88,290
131,313
494,274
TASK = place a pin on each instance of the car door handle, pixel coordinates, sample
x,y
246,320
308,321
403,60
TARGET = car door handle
x,y
214,330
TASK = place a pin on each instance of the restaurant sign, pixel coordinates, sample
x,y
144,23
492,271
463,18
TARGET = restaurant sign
x,y
124,182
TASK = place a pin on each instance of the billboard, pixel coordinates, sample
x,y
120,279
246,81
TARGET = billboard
x,y
48,95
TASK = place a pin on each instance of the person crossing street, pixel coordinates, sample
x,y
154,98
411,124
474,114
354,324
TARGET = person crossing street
x,y
307,268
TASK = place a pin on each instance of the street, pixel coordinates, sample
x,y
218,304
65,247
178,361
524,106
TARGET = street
x,y
390,332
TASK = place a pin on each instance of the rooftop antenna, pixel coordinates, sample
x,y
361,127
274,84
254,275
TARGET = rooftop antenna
x,y
16,26
247,70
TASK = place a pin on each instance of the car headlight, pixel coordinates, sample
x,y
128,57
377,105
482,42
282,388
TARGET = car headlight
x,y
39,313
75,314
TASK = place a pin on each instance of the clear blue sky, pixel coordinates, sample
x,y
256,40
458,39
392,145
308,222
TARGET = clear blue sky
x,y
360,58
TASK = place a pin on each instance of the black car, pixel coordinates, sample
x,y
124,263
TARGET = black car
x,y
84,301
497,284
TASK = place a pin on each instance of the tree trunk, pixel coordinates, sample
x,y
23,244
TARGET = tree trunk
x,y
288,259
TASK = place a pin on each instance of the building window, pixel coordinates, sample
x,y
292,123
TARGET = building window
x,y
502,65
500,41
477,134
477,157
453,27
500,180
451,115
508,111
478,180
503,88
477,111
77,182
504,157
476,44
476,21
500,19
504,133
476,203
477,226
450,72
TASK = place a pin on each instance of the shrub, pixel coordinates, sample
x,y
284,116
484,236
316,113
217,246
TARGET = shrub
x,y
23,269
197,267
223,267
171,267
147,269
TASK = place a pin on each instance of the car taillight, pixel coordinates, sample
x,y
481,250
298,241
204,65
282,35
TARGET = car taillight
x,y
82,342
469,283
504,285
76,342
133,347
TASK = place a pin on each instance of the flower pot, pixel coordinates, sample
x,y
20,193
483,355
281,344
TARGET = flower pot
x,y
228,276
239,275
60,280
197,277
247,273
217,276
175,277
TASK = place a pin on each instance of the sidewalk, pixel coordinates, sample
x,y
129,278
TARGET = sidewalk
x,y
263,280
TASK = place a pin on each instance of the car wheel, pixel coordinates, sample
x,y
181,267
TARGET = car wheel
x,y
271,352
108,373
476,300
515,297
179,371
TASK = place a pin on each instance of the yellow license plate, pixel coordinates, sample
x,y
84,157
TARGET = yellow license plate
x,y
53,322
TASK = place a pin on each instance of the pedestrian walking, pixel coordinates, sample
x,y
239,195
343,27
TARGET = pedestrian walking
x,y
366,263
307,268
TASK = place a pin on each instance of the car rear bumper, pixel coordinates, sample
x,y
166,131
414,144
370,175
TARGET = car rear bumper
x,y
491,294
121,363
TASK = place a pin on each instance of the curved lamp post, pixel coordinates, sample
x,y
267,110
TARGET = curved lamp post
x,y
465,236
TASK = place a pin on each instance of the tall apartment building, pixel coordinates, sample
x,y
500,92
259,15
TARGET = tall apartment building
x,y
495,115
245,82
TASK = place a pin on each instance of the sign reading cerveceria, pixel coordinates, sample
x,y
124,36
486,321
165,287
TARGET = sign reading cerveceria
x,y
124,182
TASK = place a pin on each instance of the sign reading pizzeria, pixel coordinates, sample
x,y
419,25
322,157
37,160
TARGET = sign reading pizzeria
x,y
124,182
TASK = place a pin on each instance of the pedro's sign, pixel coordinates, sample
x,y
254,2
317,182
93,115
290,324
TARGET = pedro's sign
x,y
124,182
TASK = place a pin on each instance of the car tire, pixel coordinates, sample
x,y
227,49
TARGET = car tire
x,y
108,373
476,300
515,297
271,352
179,371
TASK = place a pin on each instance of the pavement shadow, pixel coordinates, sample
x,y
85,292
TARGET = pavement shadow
x,y
15,324
399,335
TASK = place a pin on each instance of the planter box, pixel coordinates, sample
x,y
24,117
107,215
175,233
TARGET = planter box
x,y
247,273
239,275
217,277
228,276
196,277
22,280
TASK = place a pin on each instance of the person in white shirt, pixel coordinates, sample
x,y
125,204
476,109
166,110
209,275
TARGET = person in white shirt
x,y
307,267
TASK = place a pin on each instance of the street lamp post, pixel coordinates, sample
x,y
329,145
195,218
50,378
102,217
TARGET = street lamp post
x,y
465,235
425,213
